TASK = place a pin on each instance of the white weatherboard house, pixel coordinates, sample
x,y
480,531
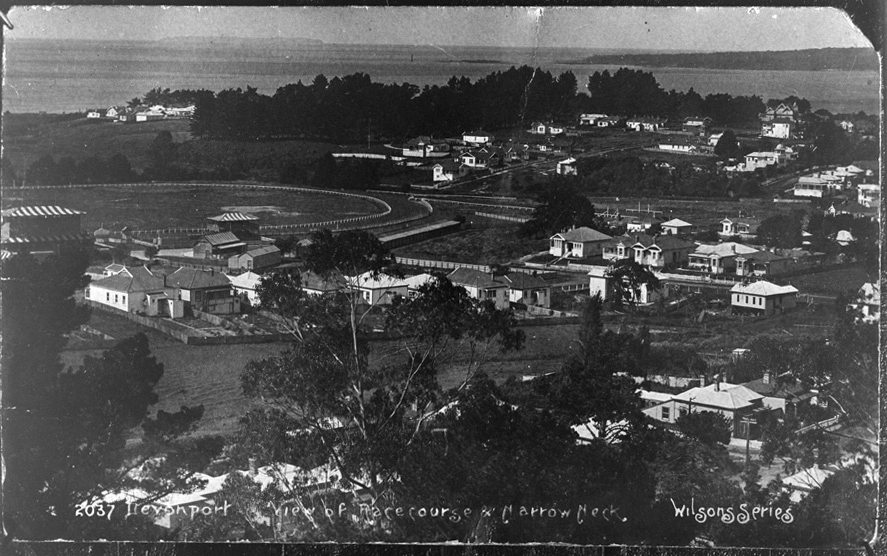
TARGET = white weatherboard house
x,y
600,283
380,289
676,227
762,297
718,259
481,285
477,137
732,401
245,286
577,243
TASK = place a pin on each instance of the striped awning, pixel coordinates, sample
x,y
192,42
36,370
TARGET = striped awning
x,y
64,238
43,210
233,217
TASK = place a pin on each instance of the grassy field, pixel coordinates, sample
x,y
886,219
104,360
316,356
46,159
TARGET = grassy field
x,y
29,136
151,207
489,245
832,282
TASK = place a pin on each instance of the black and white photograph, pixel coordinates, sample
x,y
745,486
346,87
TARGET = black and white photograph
x,y
493,276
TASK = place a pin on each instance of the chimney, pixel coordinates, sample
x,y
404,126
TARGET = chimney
x,y
253,470
766,377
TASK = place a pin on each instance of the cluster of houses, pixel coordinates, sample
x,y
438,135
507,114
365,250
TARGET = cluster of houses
x,y
131,114
673,258
827,183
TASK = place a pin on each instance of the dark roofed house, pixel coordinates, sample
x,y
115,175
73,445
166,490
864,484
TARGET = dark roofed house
x,y
761,263
780,395
207,291
218,246
578,243
527,289
259,257
481,285
663,251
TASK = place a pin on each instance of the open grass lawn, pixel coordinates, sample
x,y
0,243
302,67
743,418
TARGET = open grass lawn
x,y
833,282
31,136
151,207
491,245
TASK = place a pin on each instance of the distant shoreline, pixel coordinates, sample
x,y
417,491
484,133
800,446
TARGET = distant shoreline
x,y
820,59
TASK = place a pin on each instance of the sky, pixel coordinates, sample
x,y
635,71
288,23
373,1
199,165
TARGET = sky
x,y
635,28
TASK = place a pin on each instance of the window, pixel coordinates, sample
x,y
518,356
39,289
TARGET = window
x,y
115,298
124,300
107,296
681,412
666,414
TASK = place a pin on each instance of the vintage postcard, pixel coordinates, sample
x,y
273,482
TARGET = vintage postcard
x,y
595,276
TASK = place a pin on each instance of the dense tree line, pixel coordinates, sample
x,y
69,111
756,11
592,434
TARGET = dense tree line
x,y
637,93
353,106
165,97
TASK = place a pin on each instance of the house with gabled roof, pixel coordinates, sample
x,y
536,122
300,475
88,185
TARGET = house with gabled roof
x,y
221,245
136,289
761,263
718,259
868,302
527,289
743,227
662,251
697,125
481,285
377,289
578,243
256,258
620,247
782,394
762,298
245,286
206,291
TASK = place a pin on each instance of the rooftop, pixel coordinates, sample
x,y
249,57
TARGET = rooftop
x,y
42,210
723,395
763,287
233,217
724,249
583,234
193,279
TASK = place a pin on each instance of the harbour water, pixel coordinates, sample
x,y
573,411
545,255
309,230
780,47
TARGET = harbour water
x,y
72,76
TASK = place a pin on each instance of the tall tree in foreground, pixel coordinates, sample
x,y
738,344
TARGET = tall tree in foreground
x,y
65,432
335,398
